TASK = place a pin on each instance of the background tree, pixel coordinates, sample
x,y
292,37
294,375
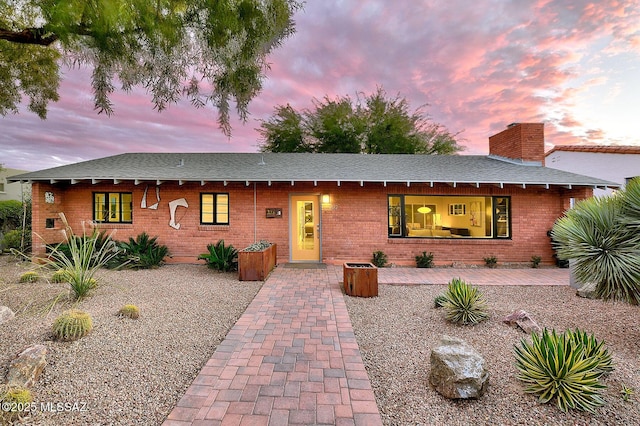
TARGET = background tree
x,y
374,124
207,51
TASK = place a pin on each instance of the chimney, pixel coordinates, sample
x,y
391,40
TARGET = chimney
x,y
522,142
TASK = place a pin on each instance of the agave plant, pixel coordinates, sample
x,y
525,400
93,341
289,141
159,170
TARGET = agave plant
x,y
221,257
83,259
464,303
143,252
560,366
600,236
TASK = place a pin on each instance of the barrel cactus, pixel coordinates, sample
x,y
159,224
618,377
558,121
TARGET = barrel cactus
x,y
129,311
14,399
29,277
72,325
60,276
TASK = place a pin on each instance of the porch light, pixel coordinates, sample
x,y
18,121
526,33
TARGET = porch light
x,y
325,199
424,210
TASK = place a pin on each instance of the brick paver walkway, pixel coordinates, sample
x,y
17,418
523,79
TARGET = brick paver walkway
x,y
292,357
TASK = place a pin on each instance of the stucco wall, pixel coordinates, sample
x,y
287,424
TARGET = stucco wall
x,y
354,224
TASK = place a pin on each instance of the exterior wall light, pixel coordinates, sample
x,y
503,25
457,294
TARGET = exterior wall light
x,y
326,199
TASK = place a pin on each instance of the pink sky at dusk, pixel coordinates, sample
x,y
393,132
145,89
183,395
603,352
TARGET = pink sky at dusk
x,y
572,64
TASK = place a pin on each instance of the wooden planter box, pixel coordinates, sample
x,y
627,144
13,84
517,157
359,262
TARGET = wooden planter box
x,y
360,279
256,265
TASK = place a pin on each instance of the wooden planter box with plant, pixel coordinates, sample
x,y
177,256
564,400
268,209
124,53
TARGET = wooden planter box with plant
x,y
256,261
360,279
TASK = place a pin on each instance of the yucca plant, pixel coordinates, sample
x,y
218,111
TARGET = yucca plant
x,y
220,257
600,235
72,325
560,366
464,303
83,259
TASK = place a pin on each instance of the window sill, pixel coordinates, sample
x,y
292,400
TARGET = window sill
x,y
213,227
100,225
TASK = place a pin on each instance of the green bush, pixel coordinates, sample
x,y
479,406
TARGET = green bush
x,y
600,236
10,215
379,259
11,239
465,304
535,261
220,257
563,367
143,252
72,325
424,260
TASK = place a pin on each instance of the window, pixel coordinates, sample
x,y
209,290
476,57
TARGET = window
x,y
3,182
214,209
113,207
424,216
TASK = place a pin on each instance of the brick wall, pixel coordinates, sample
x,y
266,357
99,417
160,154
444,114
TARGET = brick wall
x,y
519,141
354,224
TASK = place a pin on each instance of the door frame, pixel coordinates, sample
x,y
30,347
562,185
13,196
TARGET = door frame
x,y
316,198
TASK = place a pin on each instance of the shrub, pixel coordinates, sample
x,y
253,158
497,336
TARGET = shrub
x,y
11,239
72,325
424,260
465,304
10,215
560,366
220,257
29,277
129,311
83,259
15,398
490,261
143,252
535,261
379,259
600,235
439,300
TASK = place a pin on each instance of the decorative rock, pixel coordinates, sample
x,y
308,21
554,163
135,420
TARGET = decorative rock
x,y
522,319
457,369
5,314
588,291
25,369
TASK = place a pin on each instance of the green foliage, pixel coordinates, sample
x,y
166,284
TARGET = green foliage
x,y
82,258
440,300
72,325
561,366
535,261
143,252
373,125
10,214
12,239
129,311
600,235
221,258
29,277
627,392
465,304
209,52
424,260
490,261
379,259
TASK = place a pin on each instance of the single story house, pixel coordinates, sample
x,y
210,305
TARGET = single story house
x,y
327,208
616,163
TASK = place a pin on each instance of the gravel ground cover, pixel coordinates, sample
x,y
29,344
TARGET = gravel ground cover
x,y
125,371
397,330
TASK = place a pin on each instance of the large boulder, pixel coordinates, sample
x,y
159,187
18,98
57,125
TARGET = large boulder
x,y
457,369
523,320
5,314
588,291
25,369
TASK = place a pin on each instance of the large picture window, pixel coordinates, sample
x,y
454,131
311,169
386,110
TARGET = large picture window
x,y
113,207
427,216
214,209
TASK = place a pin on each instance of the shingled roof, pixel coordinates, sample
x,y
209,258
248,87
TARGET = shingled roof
x,y
298,167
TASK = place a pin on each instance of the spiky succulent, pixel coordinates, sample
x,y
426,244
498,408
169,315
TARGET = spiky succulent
x,y
60,276
439,300
72,325
29,277
564,366
464,303
129,311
